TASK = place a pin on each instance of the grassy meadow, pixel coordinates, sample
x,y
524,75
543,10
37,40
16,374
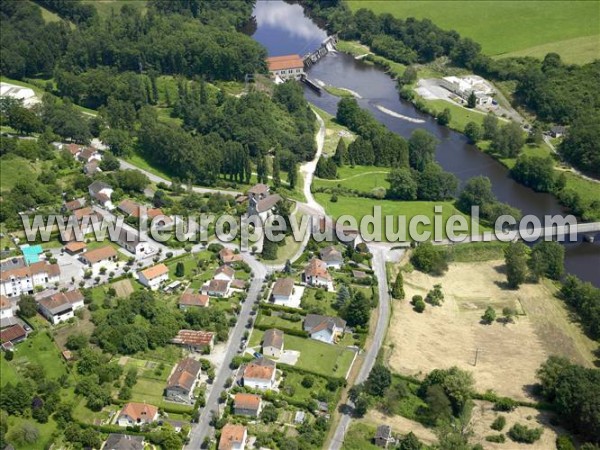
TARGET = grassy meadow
x,y
506,27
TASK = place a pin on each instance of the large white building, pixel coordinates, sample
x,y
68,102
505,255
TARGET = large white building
x,y
286,67
24,280
259,374
25,94
61,306
464,86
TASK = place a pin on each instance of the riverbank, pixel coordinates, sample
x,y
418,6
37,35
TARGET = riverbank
x,y
460,116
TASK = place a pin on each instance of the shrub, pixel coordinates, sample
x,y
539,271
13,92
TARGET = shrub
x,y
499,423
418,303
564,443
505,404
524,434
499,438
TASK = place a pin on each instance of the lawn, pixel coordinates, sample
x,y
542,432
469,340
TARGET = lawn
x,y
502,27
318,357
359,437
362,178
309,301
40,349
140,162
277,322
13,168
359,207
300,393
46,431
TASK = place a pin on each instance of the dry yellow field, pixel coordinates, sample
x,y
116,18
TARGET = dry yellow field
x,y
508,355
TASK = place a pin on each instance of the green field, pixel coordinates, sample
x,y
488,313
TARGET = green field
x,y
360,437
503,27
362,178
359,207
333,131
40,349
14,168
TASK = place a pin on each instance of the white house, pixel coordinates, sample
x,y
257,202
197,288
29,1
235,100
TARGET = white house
x,y
99,257
101,193
259,374
282,291
61,306
7,312
131,241
225,273
24,280
137,414
261,202
233,437
324,328
466,85
286,67
316,274
217,288
273,343
183,380
332,257
154,276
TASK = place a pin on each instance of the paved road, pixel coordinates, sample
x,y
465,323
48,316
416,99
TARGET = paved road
x,y
379,257
156,179
202,429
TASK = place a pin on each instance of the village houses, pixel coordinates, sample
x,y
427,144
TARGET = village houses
x,y
233,437
191,299
182,381
259,374
154,276
61,306
134,414
23,280
324,328
195,340
247,404
272,343
99,257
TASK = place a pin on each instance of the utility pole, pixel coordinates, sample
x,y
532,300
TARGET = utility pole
x,y
476,356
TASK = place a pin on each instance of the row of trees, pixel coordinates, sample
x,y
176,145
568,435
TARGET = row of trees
x,y
545,259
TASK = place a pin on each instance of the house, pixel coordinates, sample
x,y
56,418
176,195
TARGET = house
x,y
324,328
12,335
61,306
73,149
233,437
99,257
89,154
137,414
24,280
247,404
359,275
190,299
154,276
228,256
86,216
92,167
75,247
101,193
182,382
261,202
272,343
466,85
282,291
286,67
224,272
558,131
131,241
118,441
195,340
383,436
74,204
157,218
259,374
332,257
130,208
316,274
216,288
7,312
299,417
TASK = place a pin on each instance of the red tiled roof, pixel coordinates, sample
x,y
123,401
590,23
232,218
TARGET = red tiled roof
x,y
230,435
191,298
246,401
100,254
27,271
75,246
155,271
140,411
283,286
194,337
259,372
12,333
317,268
285,62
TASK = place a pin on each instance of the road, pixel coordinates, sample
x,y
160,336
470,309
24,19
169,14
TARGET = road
x,y
157,179
379,258
202,429
307,170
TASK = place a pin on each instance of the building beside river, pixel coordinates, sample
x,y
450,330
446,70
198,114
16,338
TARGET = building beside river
x,y
286,67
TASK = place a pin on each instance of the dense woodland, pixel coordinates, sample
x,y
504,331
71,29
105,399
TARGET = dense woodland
x,y
556,92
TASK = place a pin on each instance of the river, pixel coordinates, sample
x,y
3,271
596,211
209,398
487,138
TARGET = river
x,y
283,28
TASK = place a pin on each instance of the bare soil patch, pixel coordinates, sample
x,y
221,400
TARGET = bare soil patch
x,y
123,288
507,355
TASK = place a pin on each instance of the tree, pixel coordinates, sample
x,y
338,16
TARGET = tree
x,y
457,385
380,378
428,259
522,433
23,434
435,297
473,132
438,403
398,287
269,250
547,259
308,381
340,153
409,442
515,258
444,117
77,341
179,269
293,176
509,140
472,100
269,414
109,162
342,297
24,120
488,316
27,306
326,169
536,172
581,145
508,314
276,171
490,126
360,406
421,149
418,303
118,141
358,311
403,186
